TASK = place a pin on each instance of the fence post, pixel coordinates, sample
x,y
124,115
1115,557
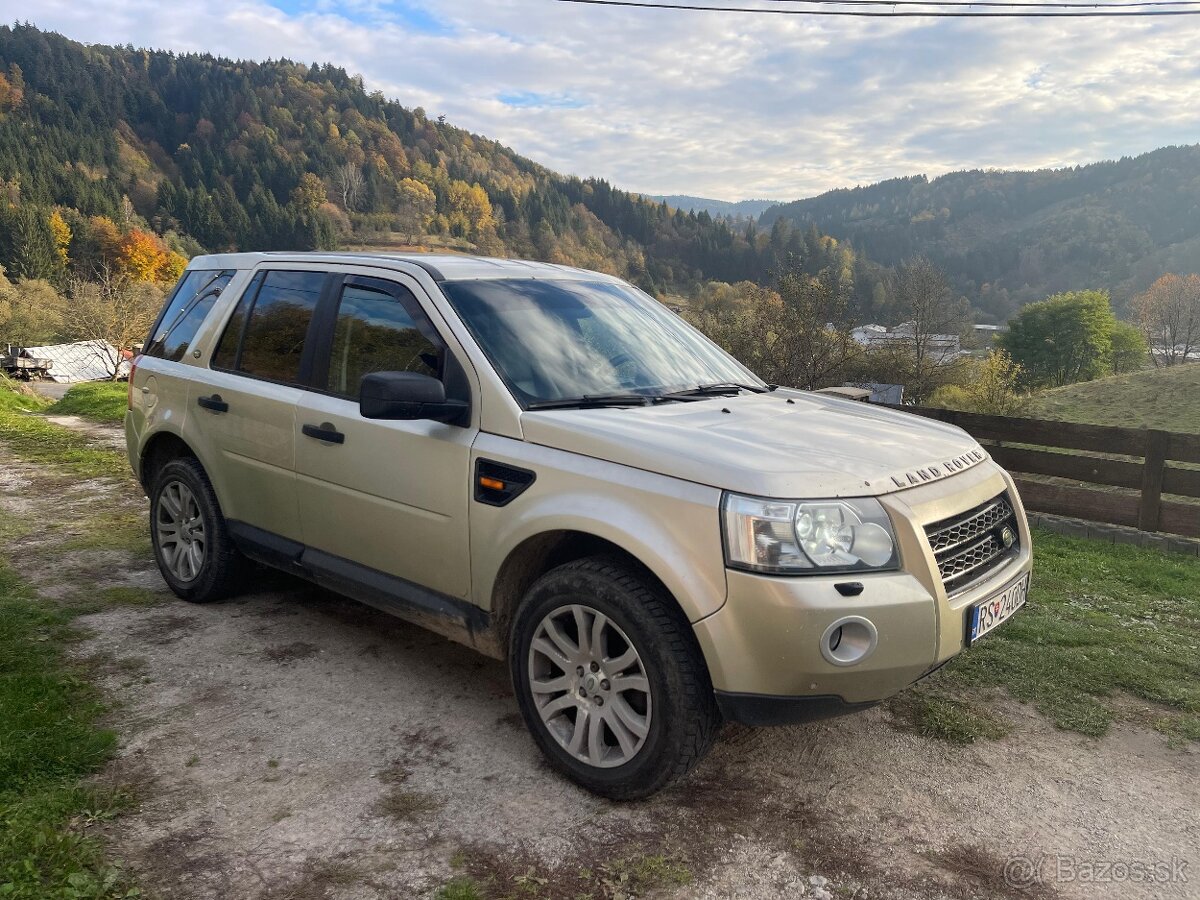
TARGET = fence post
x,y
1157,445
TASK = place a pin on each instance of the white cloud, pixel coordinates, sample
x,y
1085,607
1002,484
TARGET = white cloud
x,y
722,105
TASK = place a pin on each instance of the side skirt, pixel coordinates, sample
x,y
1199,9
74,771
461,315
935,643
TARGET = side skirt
x,y
448,616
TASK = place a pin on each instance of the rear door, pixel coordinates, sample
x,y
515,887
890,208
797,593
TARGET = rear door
x,y
242,410
390,496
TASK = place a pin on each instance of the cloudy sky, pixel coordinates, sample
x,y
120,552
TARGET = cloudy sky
x,y
716,104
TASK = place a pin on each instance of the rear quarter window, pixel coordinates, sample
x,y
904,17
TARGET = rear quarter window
x,y
177,325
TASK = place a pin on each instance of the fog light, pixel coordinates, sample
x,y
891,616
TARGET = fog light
x,y
849,641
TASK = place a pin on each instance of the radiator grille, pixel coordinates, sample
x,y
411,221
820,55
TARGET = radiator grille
x,y
971,544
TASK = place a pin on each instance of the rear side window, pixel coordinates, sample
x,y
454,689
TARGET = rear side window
x,y
184,312
378,331
274,332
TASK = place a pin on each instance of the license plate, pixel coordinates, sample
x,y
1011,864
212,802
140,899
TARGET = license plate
x,y
989,613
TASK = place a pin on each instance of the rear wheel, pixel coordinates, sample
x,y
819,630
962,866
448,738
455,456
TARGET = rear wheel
x,y
191,543
610,680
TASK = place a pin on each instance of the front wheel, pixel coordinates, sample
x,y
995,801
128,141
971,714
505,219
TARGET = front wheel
x,y
610,680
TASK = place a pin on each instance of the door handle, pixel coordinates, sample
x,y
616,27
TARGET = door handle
x,y
324,432
215,403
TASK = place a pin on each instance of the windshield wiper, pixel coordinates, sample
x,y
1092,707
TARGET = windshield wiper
x,y
717,389
593,401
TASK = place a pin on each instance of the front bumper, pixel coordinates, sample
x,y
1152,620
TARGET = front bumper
x,y
763,709
764,646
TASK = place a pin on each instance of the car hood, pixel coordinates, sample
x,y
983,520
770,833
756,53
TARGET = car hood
x,y
781,444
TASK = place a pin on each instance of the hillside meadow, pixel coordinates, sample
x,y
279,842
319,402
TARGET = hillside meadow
x,y
1154,398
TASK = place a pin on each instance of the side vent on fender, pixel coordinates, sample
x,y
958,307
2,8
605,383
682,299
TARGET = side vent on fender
x,y
497,484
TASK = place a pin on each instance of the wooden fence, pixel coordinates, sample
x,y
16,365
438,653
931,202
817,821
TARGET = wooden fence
x,y
1149,472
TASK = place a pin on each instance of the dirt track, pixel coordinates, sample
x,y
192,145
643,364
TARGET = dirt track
x,y
294,744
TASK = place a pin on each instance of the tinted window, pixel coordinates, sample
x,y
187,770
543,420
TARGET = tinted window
x,y
226,353
177,325
377,332
274,339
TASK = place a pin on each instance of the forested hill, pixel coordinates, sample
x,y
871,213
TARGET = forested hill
x,y
193,152
1006,238
730,209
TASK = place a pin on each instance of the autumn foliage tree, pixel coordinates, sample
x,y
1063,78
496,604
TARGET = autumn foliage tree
x,y
991,386
141,256
798,334
31,312
1169,316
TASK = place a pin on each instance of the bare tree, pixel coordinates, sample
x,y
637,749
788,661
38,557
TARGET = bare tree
x,y
814,341
350,182
1169,316
114,312
930,339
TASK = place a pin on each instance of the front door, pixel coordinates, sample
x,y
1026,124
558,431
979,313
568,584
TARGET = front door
x,y
390,496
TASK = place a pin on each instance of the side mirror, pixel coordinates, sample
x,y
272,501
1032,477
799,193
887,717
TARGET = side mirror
x,y
408,396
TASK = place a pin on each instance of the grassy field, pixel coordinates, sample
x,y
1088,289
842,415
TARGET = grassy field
x,y
32,437
49,742
50,737
1110,633
101,401
1154,398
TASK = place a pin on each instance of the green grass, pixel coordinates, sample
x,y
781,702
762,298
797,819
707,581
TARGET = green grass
x,y
951,719
103,401
1154,398
32,438
459,889
49,743
50,740
1103,623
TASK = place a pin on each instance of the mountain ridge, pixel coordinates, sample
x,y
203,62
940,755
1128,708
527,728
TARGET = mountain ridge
x,y
734,209
1007,237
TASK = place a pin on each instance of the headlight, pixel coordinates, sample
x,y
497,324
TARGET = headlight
x,y
807,536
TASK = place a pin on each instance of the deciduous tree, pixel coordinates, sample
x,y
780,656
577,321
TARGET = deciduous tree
x,y
1129,350
416,209
990,386
933,313
309,194
61,232
1169,316
1063,339
115,309
350,181
140,256
31,312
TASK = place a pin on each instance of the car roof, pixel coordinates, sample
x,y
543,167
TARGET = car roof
x,y
440,266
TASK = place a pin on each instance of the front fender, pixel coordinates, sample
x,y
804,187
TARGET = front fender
x,y
670,526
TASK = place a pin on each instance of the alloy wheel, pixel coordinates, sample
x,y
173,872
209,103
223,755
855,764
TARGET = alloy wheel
x,y
590,686
179,531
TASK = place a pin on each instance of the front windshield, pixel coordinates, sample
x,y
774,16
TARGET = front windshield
x,y
559,340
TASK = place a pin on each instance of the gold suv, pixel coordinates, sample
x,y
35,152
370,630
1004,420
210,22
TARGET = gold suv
x,y
551,467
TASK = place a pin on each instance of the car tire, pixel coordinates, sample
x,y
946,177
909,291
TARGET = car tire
x,y
645,739
191,541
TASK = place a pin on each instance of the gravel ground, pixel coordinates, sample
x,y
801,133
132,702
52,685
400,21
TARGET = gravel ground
x,y
293,744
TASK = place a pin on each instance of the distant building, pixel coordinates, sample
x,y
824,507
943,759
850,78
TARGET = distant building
x,y
944,346
892,394
83,361
985,335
